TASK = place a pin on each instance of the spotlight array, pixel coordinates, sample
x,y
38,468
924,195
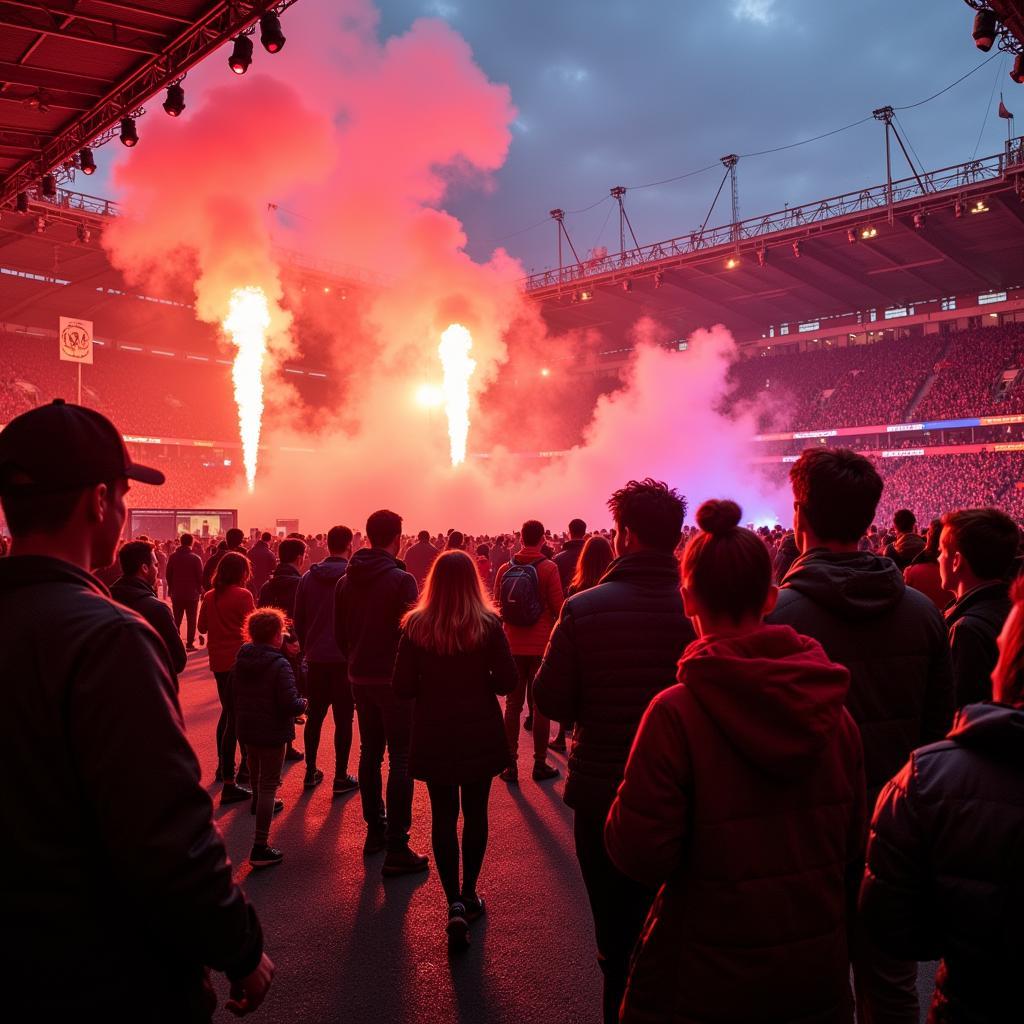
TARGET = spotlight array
x,y
86,162
984,29
174,105
129,136
271,35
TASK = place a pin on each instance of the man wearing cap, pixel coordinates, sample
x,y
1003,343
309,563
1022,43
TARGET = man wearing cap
x,y
116,896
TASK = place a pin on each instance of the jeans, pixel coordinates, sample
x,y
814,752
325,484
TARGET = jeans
x,y
527,666
385,721
188,609
227,738
619,906
444,833
265,765
329,688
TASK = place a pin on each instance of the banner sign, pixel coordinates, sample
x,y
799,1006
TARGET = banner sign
x,y
75,339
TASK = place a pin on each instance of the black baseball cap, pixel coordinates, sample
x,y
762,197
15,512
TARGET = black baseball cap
x,y
61,447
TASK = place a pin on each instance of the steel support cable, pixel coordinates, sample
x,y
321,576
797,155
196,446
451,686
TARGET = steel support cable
x,y
936,95
991,96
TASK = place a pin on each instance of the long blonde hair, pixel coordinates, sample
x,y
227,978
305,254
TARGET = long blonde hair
x,y
453,613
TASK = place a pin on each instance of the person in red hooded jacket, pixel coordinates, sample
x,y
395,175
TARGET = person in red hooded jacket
x,y
743,802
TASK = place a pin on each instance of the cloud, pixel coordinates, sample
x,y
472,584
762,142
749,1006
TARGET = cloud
x,y
762,12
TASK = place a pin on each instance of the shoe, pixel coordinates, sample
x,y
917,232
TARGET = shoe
x,y
375,842
558,744
403,861
264,856
510,775
243,779
344,784
291,754
528,724
542,771
232,793
475,908
278,807
202,641
300,719
190,647
313,779
457,927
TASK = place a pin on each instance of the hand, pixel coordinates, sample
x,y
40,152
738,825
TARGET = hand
x,y
249,993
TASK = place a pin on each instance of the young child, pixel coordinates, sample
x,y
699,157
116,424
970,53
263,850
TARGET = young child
x,y
266,703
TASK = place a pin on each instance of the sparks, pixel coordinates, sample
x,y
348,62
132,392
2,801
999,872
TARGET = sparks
x,y
456,342
247,322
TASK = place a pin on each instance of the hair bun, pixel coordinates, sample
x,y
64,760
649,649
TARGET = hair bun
x,y
718,516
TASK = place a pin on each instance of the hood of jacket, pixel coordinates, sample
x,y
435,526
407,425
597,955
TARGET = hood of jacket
x,y
329,571
854,585
369,564
910,545
993,729
773,693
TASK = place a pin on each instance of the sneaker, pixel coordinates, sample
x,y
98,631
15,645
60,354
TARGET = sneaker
x,y
542,771
528,724
202,640
344,784
510,775
278,807
264,856
475,908
190,647
291,754
403,861
458,926
375,842
232,793
558,744
313,779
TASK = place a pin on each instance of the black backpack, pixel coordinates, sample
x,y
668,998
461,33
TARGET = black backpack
x,y
519,596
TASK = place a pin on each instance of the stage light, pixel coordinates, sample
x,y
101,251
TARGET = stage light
x,y
40,225
732,262
86,161
627,285
984,30
586,295
175,102
762,257
919,220
869,232
21,203
48,186
241,55
271,35
545,372
129,136
796,249
659,279
979,207
851,236
1017,71
84,234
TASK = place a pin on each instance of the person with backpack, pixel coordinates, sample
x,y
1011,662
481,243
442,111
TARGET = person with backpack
x,y
528,591
454,661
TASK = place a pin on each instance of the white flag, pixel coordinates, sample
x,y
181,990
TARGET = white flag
x,y
75,340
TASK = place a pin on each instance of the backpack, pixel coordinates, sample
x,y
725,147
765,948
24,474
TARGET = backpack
x,y
519,596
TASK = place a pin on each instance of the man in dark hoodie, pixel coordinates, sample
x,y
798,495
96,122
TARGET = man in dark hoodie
x,y
977,549
263,563
136,589
369,602
279,590
185,587
568,558
908,543
419,557
327,673
890,637
613,648
113,901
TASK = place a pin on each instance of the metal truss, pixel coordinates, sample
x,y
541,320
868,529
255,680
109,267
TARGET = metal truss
x,y
224,19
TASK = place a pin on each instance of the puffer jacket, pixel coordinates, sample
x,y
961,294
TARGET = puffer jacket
x,y
279,590
532,640
744,800
266,700
974,622
890,637
458,734
943,877
314,611
615,646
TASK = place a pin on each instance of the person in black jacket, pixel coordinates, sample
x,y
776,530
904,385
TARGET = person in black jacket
x,y
891,638
614,647
977,549
234,540
263,561
266,703
279,590
569,556
454,661
126,901
185,587
136,589
369,603
946,848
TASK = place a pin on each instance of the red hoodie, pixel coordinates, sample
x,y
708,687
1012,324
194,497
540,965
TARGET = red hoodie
x,y
743,799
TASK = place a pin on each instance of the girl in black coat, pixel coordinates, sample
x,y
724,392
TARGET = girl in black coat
x,y
453,658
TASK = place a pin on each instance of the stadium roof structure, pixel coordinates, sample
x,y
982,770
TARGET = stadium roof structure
x,y
934,234
71,69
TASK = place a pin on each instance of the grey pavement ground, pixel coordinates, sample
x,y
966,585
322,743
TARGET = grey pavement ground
x,y
349,946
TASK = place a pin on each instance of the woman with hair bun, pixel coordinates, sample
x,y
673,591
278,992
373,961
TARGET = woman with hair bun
x,y
743,804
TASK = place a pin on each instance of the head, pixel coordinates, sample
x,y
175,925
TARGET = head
x,y
266,626
339,541
977,545
648,515
577,529
453,612
292,551
934,533
384,529
483,550
266,537
186,540
835,494
727,573
904,520
423,537
234,537
1008,675
532,533
233,570
137,559
595,558
456,540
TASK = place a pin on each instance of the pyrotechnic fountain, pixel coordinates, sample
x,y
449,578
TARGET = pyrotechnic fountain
x,y
456,342
247,322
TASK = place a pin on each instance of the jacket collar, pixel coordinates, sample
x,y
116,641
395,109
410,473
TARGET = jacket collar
x,y
27,570
134,583
656,566
995,591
